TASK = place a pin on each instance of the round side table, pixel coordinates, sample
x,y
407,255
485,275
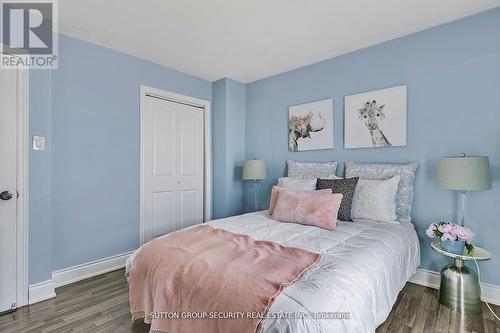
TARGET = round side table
x,y
459,289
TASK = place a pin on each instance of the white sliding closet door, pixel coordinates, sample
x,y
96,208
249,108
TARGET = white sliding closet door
x,y
172,153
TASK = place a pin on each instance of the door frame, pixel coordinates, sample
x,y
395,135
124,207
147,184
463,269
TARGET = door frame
x,y
22,281
22,187
207,151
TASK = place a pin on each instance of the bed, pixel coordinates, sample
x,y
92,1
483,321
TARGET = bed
x,y
363,267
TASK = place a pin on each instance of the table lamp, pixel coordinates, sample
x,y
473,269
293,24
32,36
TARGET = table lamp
x,y
255,170
464,174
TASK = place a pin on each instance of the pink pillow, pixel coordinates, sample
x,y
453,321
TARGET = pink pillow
x,y
277,189
308,208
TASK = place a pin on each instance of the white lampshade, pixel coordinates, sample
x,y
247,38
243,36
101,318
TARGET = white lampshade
x,y
464,173
254,170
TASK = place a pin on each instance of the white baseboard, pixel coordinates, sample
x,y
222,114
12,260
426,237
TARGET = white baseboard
x,y
491,292
90,269
41,291
426,278
44,290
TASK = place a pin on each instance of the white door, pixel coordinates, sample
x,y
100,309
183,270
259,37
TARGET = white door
x,y
172,166
8,187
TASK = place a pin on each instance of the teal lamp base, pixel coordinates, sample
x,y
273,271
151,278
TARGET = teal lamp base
x,y
459,289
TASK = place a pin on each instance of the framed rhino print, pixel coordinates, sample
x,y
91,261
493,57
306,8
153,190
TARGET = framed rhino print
x,y
310,126
375,119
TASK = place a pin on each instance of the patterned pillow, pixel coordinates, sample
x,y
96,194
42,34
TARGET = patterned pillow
x,y
297,184
344,186
298,169
406,171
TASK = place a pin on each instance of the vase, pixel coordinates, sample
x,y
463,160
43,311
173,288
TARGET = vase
x,y
453,246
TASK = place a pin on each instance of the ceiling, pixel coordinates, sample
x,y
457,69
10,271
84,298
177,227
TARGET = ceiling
x,y
252,39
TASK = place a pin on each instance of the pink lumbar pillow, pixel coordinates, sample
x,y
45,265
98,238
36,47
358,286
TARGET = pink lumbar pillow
x,y
319,210
278,189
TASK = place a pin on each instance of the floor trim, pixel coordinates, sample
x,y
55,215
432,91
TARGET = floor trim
x,y
84,271
44,290
41,291
423,277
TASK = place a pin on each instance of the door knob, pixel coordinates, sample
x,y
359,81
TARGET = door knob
x,y
5,195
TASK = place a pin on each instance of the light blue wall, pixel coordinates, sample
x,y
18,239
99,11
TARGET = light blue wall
x,y
228,126
84,188
236,145
39,178
95,157
453,77
219,144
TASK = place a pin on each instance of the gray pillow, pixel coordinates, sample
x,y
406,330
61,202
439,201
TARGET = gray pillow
x,y
406,171
298,169
344,186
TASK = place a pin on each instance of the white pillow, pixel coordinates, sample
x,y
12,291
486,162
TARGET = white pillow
x,y
375,199
298,184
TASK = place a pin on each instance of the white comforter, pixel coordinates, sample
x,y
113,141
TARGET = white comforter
x,y
363,266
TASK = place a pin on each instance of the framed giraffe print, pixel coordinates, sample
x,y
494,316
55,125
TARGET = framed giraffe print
x,y
310,126
375,119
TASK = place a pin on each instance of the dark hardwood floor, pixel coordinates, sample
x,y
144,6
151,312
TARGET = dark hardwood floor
x,y
417,309
100,304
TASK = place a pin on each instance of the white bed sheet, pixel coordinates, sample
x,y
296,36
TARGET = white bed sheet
x,y
363,267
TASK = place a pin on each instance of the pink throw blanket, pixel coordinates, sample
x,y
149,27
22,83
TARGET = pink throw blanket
x,y
206,270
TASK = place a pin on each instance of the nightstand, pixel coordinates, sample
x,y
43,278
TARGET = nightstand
x,y
459,289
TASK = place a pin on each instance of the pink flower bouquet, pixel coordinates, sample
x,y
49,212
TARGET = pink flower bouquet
x,y
453,232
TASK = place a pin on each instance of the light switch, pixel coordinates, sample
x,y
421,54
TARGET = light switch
x,y
38,142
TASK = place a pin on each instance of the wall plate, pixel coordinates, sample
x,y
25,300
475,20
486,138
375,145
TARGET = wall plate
x,y
38,142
